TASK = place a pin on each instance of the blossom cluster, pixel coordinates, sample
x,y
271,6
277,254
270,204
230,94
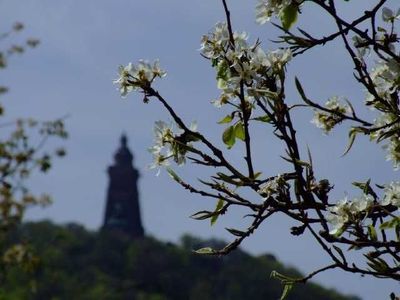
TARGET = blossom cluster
x,y
392,194
326,121
265,9
169,143
383,36
346,212
137,77
275,186
163,136
386,79
239,63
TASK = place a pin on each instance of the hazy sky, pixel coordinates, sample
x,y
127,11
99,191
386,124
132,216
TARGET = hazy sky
x,y
82,44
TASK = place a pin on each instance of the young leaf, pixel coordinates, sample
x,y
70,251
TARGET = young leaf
x,y
365,187
372,233
390,224
173,175
236,232
257,174
300,89
338,250
289,15
221,83
281,277
286,289
352,137
265,119
205,251
226,119
239,131
202,215
228,137
228,179
214,218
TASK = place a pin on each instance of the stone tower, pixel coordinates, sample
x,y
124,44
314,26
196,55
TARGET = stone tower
x,y
122,208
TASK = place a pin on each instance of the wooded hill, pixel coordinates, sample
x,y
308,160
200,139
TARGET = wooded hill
x,y
79,264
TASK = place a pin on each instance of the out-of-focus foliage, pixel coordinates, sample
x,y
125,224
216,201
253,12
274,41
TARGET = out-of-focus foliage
x,y
22,152
79,264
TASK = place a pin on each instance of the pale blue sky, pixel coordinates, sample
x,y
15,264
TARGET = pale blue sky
x,y
83,42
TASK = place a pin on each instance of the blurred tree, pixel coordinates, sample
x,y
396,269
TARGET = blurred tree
x,y
22,152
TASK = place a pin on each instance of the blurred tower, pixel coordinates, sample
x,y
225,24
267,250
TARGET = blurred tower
x,y
122,208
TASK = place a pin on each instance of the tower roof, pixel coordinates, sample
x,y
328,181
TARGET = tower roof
x,y
122,212
123,154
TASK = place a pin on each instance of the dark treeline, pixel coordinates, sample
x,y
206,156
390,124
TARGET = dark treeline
x,y
80,264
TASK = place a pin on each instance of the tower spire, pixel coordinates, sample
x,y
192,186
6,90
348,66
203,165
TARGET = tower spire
x,y
122,207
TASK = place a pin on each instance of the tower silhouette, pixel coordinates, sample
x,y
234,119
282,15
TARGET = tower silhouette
x,y
122,212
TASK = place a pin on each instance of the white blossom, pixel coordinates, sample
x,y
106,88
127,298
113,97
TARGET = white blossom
x,y
392,194
361,204
162,133
393,153
347,211
161,150
240,63
271,187
386,78
383,124
217,42
279,58
361,46
259,59
168,144
125,73
388,15
159,161
136,77
326,121
265,9
227,94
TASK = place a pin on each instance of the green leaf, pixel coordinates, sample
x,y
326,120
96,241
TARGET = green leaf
x,y
372,233
390,224
281,277
338,250
228,179
222,74
300,88
226,119
221,83
239,131
286,290
365,187
202,215
377,264
352,137
228,137
214,218
340,231
173,174
257,174
236,232
205,251
222,70
289,15
265,119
